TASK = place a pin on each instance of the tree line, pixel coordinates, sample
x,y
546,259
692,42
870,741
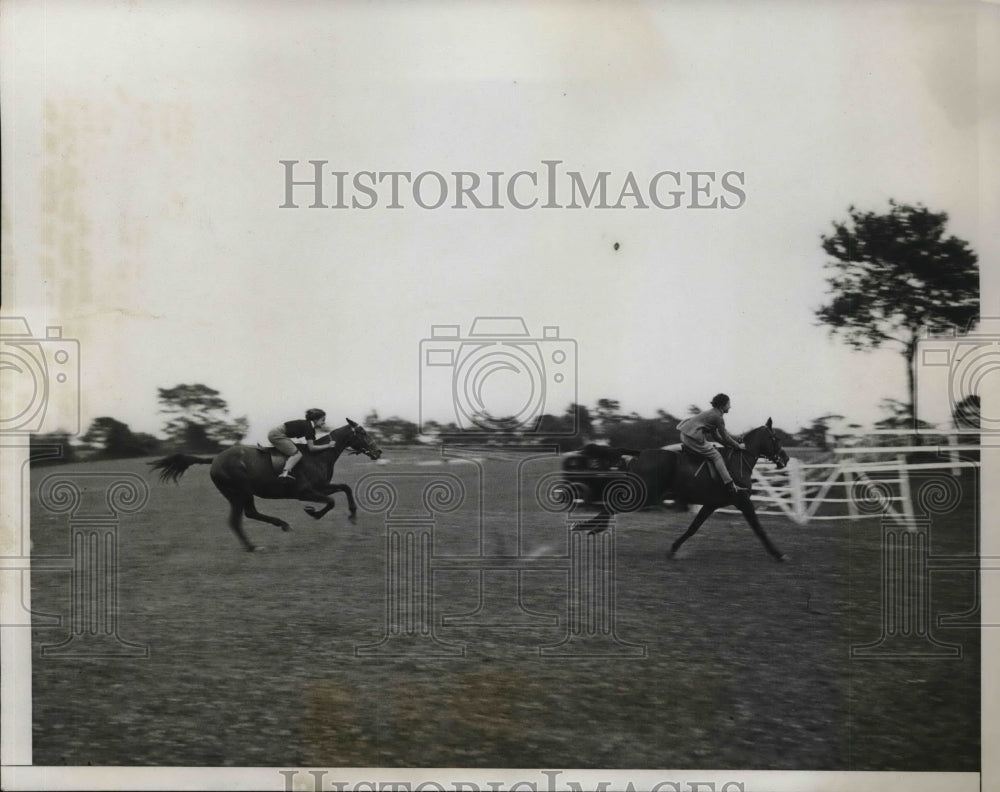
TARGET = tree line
x,y
197,419
892,277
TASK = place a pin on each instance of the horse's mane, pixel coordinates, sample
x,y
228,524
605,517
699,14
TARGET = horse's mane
x,y
332,434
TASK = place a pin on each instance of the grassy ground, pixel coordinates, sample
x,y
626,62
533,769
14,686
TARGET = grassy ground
x,y
741,663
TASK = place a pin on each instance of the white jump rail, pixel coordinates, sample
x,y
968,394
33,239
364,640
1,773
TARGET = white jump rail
x,y
799,491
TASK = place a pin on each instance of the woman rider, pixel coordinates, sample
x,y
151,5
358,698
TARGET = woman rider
x,y
696,430
281,438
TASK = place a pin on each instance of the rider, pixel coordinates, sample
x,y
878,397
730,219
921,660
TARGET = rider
x,y
711,423
280,438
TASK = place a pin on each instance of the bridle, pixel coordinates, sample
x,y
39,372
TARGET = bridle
x,y
778,456
360,435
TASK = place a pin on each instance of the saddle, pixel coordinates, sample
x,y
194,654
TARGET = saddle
x,y
277,458
693,460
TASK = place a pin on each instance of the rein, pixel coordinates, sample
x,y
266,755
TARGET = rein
x,y
340,440
748,458
337,444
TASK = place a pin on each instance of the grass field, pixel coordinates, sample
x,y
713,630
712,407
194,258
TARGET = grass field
x,y
253,662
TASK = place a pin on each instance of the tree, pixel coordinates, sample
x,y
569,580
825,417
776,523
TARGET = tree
x,y
816,433
52,448
894,276
639,432
608,415
967,413
199,417
577,415
115,439
397,430
899,415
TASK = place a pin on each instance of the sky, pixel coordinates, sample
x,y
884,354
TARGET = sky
x,y
142,213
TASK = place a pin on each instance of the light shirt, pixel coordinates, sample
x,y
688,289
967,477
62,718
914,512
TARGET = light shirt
x,y
707,424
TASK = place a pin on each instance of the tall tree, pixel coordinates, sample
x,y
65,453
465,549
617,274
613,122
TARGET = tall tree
x,y
608,413
816,433
198,417
894,276
116,439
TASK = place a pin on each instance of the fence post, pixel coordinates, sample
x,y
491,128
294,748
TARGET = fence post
x,y
904,492
797,484
954,454
852,507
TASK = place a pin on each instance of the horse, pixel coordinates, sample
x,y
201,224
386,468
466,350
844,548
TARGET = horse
x,y
241,472
684,476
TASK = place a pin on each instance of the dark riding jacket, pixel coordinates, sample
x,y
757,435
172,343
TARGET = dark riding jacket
x,y
300,428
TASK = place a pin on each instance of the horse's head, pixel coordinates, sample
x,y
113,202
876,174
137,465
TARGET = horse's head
x,y
360,442
764,442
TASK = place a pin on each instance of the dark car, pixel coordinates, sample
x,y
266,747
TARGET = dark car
x,y
588,472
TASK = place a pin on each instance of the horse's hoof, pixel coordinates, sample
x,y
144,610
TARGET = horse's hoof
x,y
286,527
783,558
352,517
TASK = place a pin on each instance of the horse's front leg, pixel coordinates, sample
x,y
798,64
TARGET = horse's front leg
x,y
750,513
703,514
352,507
317,497
326,497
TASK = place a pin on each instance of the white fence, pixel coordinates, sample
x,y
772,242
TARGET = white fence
x,y
855,482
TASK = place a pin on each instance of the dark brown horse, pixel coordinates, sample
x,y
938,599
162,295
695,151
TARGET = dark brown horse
x,y
684,476
242,472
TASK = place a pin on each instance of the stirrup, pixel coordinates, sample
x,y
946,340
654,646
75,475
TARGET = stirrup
x,y
285,475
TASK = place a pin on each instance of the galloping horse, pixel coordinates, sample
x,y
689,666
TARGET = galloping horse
x,y
684,476
242,472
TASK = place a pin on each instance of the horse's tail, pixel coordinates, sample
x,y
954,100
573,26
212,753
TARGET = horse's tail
x,y
174,466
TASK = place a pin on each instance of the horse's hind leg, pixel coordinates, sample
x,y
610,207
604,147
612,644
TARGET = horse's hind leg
x,y
236,506
750,514
250,510
703,514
